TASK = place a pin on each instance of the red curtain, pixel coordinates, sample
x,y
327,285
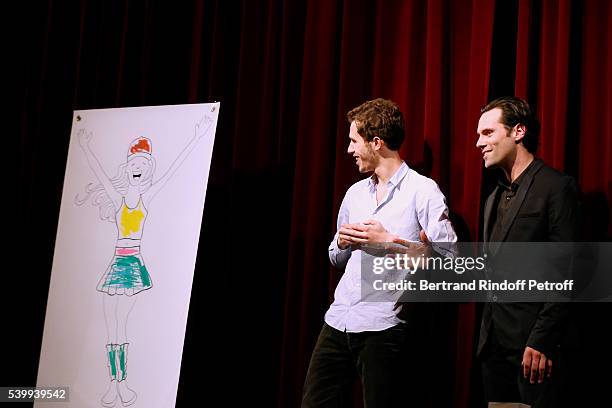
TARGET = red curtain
x,y
594,125
286,72
432,58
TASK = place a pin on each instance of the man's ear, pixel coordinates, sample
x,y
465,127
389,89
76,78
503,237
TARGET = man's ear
x,y
519,133
377,143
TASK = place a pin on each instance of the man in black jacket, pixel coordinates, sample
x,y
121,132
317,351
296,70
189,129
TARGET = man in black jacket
x,y
520,343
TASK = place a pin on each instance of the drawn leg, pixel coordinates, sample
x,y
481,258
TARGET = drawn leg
x,y
125,304
110,396
110,317
124,307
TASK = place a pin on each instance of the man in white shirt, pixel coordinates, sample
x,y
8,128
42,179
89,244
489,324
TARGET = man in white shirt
x,y
394,204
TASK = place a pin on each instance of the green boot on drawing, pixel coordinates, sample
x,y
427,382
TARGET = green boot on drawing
x,y
126,394
110,396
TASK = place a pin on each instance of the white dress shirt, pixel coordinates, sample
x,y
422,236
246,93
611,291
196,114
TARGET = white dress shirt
x,y
413,203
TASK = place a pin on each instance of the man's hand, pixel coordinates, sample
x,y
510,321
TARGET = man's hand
x,y
416,249
369,231
535,365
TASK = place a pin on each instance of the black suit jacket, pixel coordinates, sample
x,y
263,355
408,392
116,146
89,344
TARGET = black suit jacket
x,y
547,210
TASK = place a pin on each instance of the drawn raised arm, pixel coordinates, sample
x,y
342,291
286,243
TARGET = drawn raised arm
x,y
201,129
84,141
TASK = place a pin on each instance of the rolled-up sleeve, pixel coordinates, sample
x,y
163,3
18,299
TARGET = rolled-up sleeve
x,y
433,216
339,257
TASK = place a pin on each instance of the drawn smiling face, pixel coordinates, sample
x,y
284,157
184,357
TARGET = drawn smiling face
x,y
138,169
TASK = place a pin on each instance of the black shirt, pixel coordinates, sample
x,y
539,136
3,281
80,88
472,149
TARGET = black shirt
x,y
504,201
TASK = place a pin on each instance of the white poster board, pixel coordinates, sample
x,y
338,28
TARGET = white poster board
x,y
124,261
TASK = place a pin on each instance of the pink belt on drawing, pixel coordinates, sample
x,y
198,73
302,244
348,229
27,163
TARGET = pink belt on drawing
x,y
127,251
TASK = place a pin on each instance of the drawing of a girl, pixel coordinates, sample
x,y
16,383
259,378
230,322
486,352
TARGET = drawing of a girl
x,y
124,200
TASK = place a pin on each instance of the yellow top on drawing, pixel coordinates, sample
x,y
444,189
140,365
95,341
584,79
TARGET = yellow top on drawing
x,y
131,220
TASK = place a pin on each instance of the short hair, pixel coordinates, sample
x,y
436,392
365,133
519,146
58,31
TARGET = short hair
x,y
516,111
379,117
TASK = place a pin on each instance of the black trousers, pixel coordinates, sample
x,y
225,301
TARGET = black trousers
x,y
382,360
503,379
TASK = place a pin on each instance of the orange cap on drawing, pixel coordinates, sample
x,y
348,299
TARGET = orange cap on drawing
x,y
140,146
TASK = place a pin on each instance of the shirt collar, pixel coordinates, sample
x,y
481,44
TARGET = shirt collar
x,y
394,180
506,184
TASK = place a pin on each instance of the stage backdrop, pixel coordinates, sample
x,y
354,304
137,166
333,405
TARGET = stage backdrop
x,y
125,253
287,72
